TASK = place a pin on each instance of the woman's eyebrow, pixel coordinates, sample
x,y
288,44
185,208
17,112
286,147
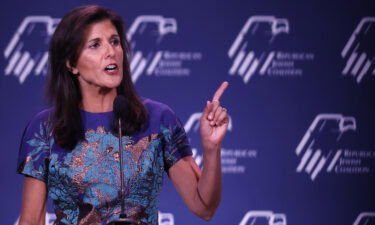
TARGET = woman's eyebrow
x,y
98,39
115,36
94,40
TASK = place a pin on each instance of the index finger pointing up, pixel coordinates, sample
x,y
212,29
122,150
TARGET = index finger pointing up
x,y
220,91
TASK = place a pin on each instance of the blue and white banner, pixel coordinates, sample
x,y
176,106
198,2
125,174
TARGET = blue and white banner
x,y
300,147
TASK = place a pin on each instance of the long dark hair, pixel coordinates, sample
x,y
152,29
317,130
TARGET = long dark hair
x,y
63,90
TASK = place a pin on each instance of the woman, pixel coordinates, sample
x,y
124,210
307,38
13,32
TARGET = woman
x,y
71,152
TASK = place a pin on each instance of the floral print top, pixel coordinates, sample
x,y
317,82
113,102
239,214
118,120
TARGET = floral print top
x,y
84,183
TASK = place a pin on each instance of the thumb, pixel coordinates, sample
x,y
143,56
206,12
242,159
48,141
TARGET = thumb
x,y
207,110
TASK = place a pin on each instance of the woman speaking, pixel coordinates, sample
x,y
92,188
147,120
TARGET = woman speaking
x,y
102,162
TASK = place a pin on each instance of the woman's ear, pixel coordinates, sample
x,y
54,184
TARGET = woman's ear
x,y
72,69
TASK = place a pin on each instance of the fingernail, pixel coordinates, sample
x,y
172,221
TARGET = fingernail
x,y
210,116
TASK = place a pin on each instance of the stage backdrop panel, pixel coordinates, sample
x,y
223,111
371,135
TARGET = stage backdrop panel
x,y
300,147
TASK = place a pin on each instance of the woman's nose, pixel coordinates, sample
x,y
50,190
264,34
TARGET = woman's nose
x,y
110,51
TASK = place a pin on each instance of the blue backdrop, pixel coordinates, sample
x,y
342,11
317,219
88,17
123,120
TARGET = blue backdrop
x,y
300,148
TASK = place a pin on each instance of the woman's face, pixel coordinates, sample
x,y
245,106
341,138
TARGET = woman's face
x,y
99,65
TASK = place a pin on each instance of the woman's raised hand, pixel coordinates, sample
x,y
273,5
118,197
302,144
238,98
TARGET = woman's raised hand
x,y
214,121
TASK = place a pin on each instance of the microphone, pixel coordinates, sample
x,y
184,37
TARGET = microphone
x,y
119,109
119,106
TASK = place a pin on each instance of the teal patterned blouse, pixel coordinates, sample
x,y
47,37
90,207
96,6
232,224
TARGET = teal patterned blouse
x,y
84,183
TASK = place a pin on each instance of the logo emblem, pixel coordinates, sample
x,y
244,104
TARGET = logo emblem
x,y
143,30
165,218
149,36
318,146
26,53
263,217
359,51
249,50
257,49
233,160
365,218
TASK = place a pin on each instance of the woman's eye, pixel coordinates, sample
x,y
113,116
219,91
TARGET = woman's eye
x,y
94,45
115,42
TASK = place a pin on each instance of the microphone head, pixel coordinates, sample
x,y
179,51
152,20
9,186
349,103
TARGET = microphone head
x,y
119,106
